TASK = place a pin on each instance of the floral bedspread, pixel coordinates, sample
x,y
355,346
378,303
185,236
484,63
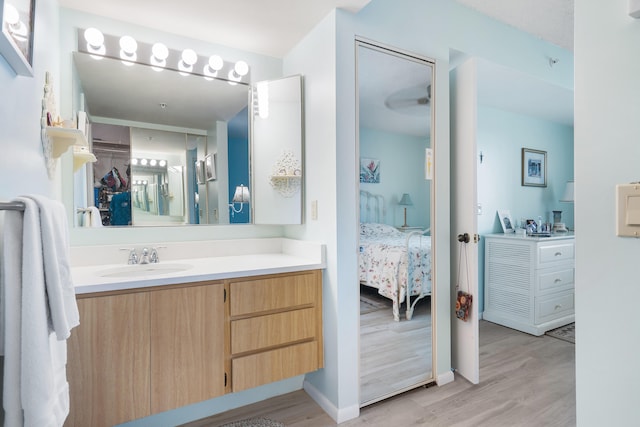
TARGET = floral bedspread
x,y
385,265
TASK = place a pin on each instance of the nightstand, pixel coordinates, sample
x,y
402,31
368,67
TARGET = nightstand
x,y
408,229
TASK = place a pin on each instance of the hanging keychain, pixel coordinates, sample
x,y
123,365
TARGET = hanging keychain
x,y
464,299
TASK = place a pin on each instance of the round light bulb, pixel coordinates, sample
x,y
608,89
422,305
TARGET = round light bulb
x,y
163,163
11,15
128,44
143,162
216,63
145,182
241,68
189,56
94,37
134,161
160,51
153,162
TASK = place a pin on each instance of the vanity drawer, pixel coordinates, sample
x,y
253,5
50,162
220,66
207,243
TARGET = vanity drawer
x,y
275,365
555,280
555,253
553,306
256,333
274,293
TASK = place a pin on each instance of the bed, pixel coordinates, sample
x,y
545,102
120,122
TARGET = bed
x,y
396,263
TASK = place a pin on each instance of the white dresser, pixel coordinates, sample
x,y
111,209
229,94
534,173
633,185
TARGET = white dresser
x,y
529,281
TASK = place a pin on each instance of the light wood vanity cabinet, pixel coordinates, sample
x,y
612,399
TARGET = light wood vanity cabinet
x,y
138,352
276,328
108,361
146,351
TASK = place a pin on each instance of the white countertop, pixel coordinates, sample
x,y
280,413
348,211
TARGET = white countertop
x,y
292,256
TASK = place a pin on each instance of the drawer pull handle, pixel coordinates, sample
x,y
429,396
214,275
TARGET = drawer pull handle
x,y
558,306
557,281
558,254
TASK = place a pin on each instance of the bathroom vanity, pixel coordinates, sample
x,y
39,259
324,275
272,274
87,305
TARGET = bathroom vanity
x,y
144,347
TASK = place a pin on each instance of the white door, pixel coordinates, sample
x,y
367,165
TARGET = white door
x,y
465,350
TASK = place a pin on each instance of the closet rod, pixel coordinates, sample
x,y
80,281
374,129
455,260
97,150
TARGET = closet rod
x,y
11,206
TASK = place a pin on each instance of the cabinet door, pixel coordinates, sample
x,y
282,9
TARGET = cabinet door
x,y
187,345
108,361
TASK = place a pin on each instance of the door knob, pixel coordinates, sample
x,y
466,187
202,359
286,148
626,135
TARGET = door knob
x,y
464,238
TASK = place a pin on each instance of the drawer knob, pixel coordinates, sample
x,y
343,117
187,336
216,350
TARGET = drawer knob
x,y
557,281
558,306
558,254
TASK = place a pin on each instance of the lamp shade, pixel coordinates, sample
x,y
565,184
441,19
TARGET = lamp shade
x,y
241,195
568,192
405,200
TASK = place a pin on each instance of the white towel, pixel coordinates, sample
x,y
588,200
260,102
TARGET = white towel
x,y
95,218
40,312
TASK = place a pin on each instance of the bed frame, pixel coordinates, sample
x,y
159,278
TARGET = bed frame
x,y
373,209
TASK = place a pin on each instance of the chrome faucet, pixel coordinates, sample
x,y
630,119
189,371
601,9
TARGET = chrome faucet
x,y
133,256
153,258
145,256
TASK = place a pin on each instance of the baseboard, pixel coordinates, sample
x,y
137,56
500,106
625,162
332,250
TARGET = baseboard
x,y
445,378
338,415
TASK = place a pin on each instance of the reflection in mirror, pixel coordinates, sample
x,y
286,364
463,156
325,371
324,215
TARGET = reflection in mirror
x,y
277,151
395,132
178,122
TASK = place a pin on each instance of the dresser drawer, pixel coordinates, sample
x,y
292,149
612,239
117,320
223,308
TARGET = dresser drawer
x,y
553,306
256,333
275,365
555,280
556,252
276,293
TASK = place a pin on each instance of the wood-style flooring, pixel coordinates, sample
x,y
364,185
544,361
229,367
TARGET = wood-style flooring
x,y
525,381
394,356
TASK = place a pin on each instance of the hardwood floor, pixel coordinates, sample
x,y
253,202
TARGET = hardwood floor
x,y
524,381
394,356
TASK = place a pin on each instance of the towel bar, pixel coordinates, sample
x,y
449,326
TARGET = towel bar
x,y
11,206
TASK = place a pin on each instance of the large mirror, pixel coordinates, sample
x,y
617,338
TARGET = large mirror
x,y
171,148
395,117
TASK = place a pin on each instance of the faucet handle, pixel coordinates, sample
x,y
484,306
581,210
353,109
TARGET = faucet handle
x,y
153,258
133,257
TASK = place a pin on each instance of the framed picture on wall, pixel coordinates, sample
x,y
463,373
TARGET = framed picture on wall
x,y
210,167
200,172
505,221
16,38
370,171
534,168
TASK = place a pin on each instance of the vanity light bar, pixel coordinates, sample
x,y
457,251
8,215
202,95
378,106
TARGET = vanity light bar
x,y
160,57
148,162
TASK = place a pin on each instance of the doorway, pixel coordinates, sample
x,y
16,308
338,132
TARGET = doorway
x,y
395,134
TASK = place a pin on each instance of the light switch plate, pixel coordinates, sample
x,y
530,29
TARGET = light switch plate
x,y
628,210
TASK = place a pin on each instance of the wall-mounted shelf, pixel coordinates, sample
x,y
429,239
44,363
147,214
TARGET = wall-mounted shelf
x,y
286,185
82,155
63,138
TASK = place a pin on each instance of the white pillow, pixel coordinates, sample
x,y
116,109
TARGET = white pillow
x,y
376,229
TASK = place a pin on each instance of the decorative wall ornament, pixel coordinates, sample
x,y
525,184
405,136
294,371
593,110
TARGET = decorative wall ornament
x,y
286,174
48,112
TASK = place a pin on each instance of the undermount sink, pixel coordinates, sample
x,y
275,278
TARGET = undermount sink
x,y
141,270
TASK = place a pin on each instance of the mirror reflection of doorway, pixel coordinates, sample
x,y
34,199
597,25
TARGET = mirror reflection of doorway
x,y
395,252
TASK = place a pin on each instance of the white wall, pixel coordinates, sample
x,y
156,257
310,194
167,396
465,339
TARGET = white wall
x,y
402,170
606,153
22,165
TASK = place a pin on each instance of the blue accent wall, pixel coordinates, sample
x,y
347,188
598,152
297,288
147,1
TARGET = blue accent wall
x,y
501,137
238,131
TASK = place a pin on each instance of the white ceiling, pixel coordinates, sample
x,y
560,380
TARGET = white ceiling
x,y
550,20
270,27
